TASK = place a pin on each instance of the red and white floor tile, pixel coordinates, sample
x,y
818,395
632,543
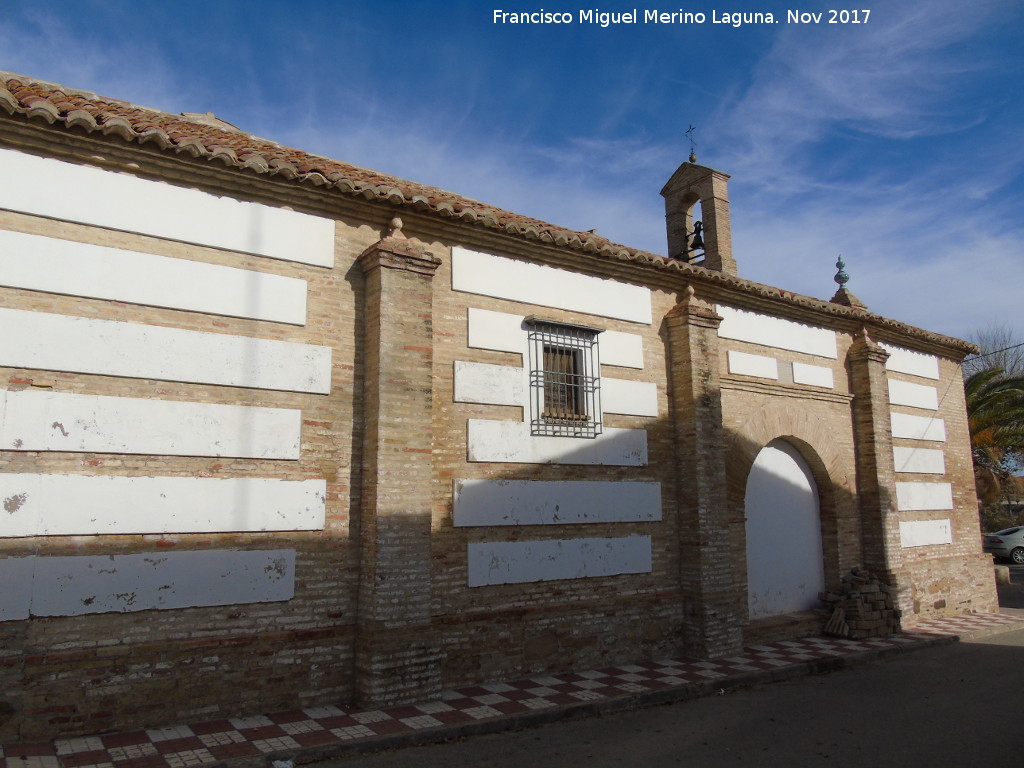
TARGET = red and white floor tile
x,y
205,743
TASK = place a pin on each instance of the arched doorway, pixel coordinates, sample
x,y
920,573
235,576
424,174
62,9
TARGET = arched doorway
x,y
785,570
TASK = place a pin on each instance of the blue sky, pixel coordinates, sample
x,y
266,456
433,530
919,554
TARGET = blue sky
x,y
896,142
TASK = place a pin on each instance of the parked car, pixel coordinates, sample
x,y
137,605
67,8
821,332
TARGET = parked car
x,y
1007,543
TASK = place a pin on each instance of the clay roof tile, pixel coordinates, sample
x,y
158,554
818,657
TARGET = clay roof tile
x,y
203,135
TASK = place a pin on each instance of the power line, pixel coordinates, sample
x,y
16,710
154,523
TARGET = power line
x,y
995,352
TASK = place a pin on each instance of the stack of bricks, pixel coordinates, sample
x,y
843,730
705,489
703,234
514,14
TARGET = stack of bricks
x,y
863,608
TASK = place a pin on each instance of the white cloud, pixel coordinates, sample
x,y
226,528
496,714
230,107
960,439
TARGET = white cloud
x,y
895,78
872,143
864,141
41,44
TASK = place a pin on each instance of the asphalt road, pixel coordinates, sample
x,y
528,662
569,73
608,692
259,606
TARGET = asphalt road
x,y
1012,595
954,705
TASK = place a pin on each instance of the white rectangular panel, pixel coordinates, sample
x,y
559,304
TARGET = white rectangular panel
x,y
552,502
60,190
511,441
15,587
621,349
918,427
489,384
75,586
77,269
777,332
504,278
634,398
911,497
920,460
520,562
813,375
753,365
83,505
52,421
908,361
923,533
111,348
914,395
496,330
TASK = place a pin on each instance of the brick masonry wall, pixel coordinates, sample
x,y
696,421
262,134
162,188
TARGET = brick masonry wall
x,y
397,656
498,631
99,672
933,580
814,420
945,580
92,673
710,585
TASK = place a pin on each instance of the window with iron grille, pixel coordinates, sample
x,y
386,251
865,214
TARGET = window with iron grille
x,y
565,382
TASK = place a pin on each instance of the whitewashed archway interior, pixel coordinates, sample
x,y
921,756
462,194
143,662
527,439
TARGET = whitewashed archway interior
x,y
785,569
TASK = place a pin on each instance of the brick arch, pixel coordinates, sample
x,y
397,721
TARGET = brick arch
x,y
833,474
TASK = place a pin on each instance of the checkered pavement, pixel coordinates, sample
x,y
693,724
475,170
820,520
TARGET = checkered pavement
x,y
285,734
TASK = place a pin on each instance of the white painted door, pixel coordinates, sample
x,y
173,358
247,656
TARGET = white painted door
x,y
785,571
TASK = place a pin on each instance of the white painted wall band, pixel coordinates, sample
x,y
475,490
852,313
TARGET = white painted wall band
x,y
499,331
553,502
511,442
923,533
919,497
520,562
919,460
86,505
625,350
60,190
54,421
745,364
813,375
78,269
630,398
908,361
911,427
76,586
110,348
16,595
489,384
777,332
913,395
503,278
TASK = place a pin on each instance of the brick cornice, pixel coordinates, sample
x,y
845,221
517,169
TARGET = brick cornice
x,y
692,310
396,251
863,348
442,213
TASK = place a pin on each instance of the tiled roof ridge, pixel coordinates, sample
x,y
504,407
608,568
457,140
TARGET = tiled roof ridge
x,y
200,135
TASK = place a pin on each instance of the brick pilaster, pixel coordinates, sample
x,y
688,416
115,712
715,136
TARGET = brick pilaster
x,y
876,471
714,601
397,652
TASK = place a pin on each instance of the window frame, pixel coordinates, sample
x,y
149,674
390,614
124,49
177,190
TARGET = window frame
x,y
564,379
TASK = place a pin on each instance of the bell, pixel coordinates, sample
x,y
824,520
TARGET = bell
x,y
698,242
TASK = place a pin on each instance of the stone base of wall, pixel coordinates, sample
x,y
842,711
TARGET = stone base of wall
x,y
398,667
949,586
108,686
557,639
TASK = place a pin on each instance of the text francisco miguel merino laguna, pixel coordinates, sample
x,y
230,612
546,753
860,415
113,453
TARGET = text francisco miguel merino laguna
x,y
608,18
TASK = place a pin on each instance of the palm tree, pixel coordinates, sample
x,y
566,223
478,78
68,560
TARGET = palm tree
x,y
995,415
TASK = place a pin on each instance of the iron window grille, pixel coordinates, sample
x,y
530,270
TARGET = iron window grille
x,y
565,381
